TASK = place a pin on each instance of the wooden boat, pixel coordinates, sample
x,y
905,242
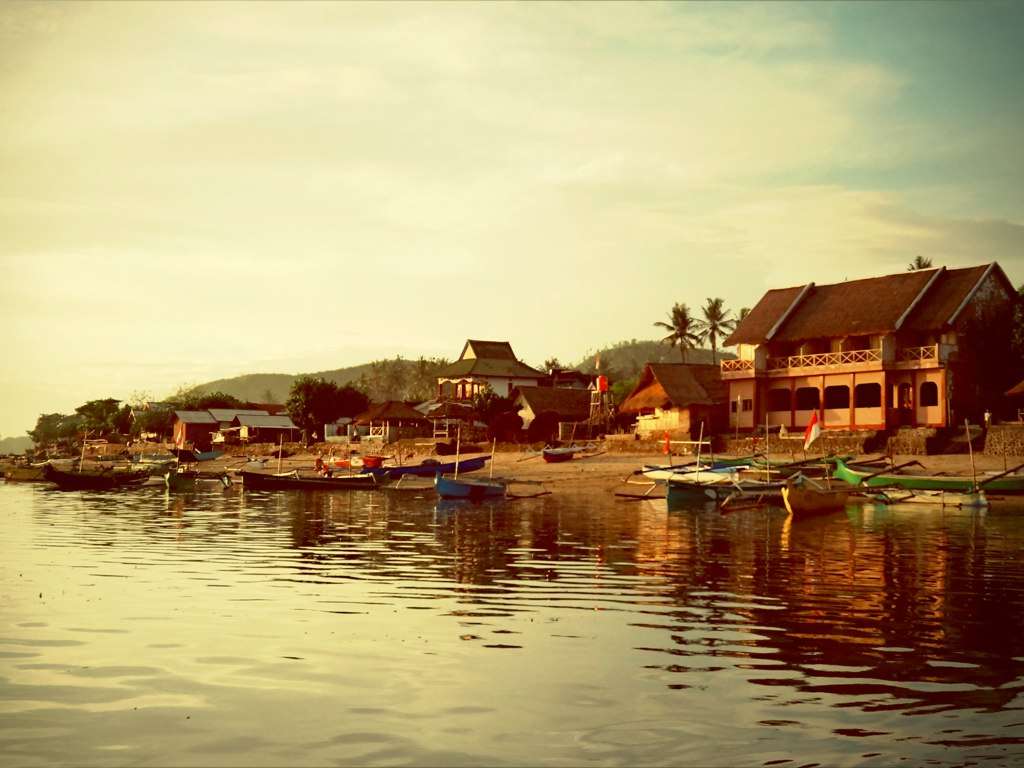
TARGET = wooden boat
x,y
473,490
558,455
179,480
291,481
95,480
30,473
431,467
682,492
1003,483
661,473
938,498
804,496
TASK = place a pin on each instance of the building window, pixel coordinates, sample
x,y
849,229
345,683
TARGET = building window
x,y
748,404
732,407
929,393
778,399
808,399
867,396
837,397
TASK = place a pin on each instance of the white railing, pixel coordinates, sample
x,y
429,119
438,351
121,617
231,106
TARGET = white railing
x,y
821,359
929,353
737,365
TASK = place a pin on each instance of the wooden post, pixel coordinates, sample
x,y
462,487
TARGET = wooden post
x,y
494,444
458,448
739,400
970,450
280,452
81,462
700,441
767,449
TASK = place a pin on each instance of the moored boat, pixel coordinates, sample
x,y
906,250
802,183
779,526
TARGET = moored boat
x,y
106,479
474,490
1006,484
431,467
292,481
804,496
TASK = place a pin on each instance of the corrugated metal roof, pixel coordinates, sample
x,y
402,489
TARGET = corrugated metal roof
x,y
195,417
228,414
264,421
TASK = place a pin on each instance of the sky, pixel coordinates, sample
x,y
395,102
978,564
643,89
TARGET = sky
x,y
190,191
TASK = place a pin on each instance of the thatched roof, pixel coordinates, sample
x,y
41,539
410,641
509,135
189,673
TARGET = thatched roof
x,y
568,404
387,412
922,300
1016,391
676,385
488,358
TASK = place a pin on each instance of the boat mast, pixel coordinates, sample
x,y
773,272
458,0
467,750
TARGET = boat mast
x,y
970,450
458,446
494,444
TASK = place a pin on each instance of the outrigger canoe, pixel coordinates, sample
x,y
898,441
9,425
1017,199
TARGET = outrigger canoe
x,y
1009,485
431,467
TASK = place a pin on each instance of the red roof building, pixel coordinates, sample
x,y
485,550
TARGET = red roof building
x,y
878,353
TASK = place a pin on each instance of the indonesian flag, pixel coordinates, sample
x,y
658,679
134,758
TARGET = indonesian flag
x,y
813,431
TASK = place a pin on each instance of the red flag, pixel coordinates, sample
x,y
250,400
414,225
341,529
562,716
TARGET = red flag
x,y
813,431
668,445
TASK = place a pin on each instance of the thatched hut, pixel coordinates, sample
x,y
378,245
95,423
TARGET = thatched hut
x,y
676,398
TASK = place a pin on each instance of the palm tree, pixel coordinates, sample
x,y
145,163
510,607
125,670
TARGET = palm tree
x,y
716,323
919,262
744,311
683,330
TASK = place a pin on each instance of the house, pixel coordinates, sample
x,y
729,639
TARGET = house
x,y
921,348
542,409
391,420
194,428
446,416
570,378
677,398
226,416
264,428
484,364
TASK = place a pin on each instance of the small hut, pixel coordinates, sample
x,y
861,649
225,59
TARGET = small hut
x,y
392,420
543,409
446,416
1016,395
264,428
676,398
194,428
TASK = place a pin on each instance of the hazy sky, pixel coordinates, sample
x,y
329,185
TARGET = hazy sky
x,y
190,191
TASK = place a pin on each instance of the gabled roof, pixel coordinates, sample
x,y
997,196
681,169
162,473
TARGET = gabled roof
x,y
1016,390
228,414
921,300
447,409
263,421
390,410
569,404
195,417
676,385
488,358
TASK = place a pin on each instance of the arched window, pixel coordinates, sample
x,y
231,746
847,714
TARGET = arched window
x,y
778,399
929,393
867,396
808,399
837,396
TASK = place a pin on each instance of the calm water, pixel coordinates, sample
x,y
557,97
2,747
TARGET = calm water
x,y
230,628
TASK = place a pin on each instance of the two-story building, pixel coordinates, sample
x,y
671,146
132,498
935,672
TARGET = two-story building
x,y
484,364
911,349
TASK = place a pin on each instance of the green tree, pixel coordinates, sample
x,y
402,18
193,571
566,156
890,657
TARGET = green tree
x,y
313,402
100,417
716,323
684,330
742,315
552,363
919,262
47,429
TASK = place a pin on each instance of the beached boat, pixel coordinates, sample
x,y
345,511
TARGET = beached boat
x,y
106,479
804,496
1006,484
473,490
292,481
26,473
431,467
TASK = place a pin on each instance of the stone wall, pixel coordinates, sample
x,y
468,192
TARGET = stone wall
x,y
1004,440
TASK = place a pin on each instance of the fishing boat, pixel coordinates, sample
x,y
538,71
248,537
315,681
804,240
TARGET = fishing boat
x,y
106,479
26,473
471,489
1003,483
292,481
976,500
720,488
803,495
187,480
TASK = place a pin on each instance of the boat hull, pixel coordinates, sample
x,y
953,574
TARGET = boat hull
x,y
1002,485
95,481
557,457
260,481
433,468
473,490
801,499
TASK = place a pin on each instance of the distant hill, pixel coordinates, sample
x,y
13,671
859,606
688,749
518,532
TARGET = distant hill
x,y
15,445
274,387
623,360
626,359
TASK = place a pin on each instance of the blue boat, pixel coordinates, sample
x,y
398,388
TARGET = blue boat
x,y
473,490
431,467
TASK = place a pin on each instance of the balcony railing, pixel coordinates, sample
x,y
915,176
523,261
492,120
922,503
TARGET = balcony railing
x,y
821,359
737,365
913,354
